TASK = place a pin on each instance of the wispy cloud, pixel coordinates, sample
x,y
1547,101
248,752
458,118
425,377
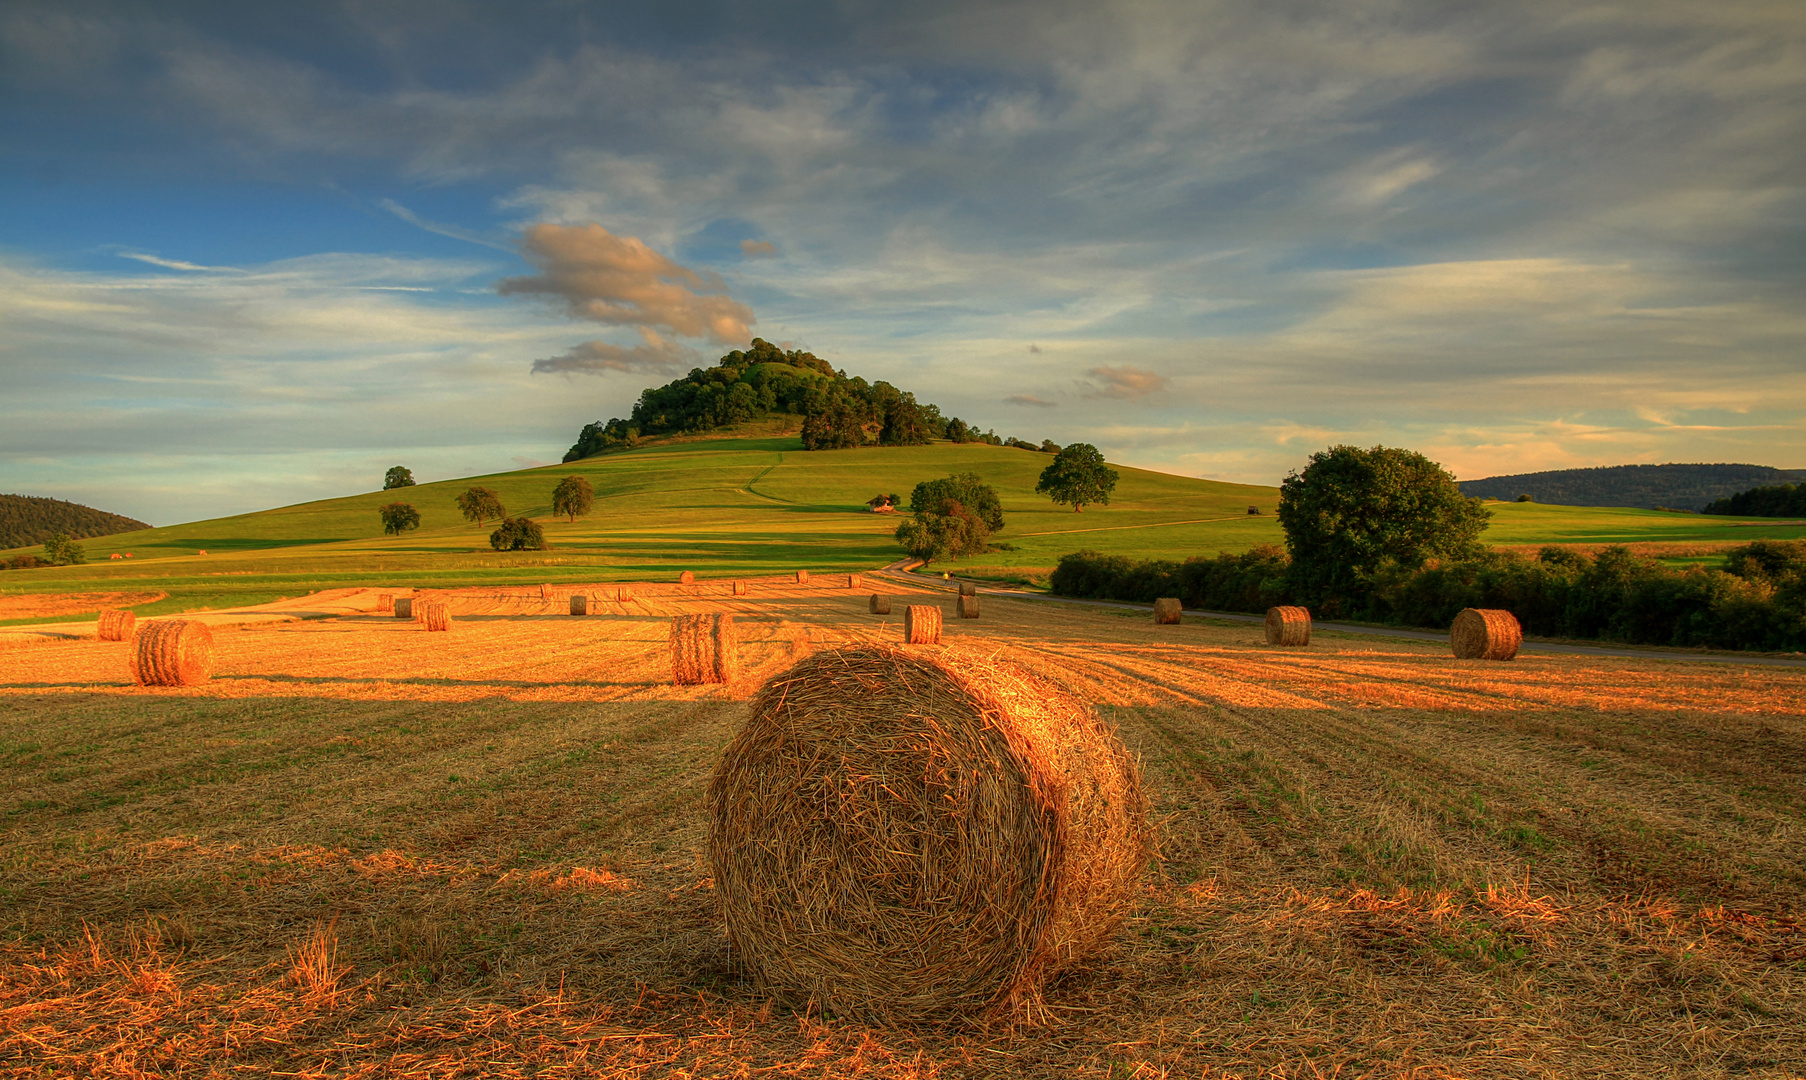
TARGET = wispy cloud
x,y
654,354
1126,381
453,231
1029,399
758,249
177,264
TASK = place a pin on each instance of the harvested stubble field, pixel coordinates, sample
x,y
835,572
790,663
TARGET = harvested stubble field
x,y
365,850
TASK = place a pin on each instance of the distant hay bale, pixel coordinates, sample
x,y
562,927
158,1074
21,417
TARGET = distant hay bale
x,y
854,581
116,625
545,592
968,588
686,578
385,601
1486,634
879,604
968,607
623,594
921,625
1166,611
897,834
704,649
802,577
404,607
740,588
173,652
579,604
1288,626
435,615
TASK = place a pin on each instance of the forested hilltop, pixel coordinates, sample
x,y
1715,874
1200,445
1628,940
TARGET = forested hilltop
x,y
29,520
834,411
1671,487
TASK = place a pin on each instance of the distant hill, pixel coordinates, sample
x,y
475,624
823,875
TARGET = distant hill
x,y
1678,487
27,520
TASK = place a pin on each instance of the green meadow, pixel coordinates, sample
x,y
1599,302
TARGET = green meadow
x,y
738,506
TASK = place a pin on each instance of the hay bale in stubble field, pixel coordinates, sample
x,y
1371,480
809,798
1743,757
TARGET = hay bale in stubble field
x,y
802,577
116,625
172,652
545,592
897,834
921,625
968,607
404,607
623,594
1486,634
854,581
686,578
385,601
579,604
1288,626
740,588
435,615
879,604
1166,611
968,588
704,649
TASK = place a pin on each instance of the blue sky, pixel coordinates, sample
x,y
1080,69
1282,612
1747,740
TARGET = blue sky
x,y
253,254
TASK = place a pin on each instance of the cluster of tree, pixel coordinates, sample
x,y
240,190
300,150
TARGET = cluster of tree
x,y
573,497
953,518
59,550
1682,487
26,520
1775,500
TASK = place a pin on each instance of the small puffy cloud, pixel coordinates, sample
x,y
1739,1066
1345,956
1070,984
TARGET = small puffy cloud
x,y
758,249
1126,381
654,354
1028,399
620,281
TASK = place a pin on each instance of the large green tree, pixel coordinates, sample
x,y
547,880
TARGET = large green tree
x,y
1078,476
398,477
60,550
573,496
479,504
519,534
399,517
968,490
948,530
1352,510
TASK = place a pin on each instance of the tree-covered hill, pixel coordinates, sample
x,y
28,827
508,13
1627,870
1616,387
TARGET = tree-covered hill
x,y
1677,487
27,520
1773,500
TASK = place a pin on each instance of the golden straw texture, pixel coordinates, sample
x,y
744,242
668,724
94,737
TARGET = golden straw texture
x,y
704,649
921,625
968,607
879,604
968,588
1288,626
116,625
172,652
385,601
404,607
1486,634
579,604
436,615
1166,611
905,834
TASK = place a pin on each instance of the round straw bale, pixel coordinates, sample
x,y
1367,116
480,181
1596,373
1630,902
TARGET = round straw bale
x,y
172,652
740,588
854,581
545,592
623,594
1288,626
686,578
1166,611
802,577
404,607
879,604
579,604
968,607
436,615
704,649
116,625
1486,634
385,601
921,625
968,588
899,834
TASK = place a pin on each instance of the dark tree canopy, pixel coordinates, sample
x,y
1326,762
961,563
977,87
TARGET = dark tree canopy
x,y
399,517
26,520
479,504
836,425
1078,476
398,477
948,530
60,550
968,490
1774,500
1352,510
573,497
519,534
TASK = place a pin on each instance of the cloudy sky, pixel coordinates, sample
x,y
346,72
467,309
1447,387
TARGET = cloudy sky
x,y
254,254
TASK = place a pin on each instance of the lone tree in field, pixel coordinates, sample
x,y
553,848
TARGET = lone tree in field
x,y
60,550
479,504
1351,510
949,531
1078,476
967,489
399,517
398,477
573,496
519,534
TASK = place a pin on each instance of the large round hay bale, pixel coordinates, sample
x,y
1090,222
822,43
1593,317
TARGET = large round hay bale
x,y
686,578
968,607
879,604
802,577
899,834
579,604
385,601
1288,626
435,615
704,649
116,625
404,607
1166,611
921,625
740,588
968,588
1486,634
172,652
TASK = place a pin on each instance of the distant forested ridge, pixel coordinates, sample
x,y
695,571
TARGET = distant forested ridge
x,y
1776,500
763,381
28,520
1676,487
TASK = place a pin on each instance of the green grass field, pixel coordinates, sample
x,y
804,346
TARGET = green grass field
x,y
738,506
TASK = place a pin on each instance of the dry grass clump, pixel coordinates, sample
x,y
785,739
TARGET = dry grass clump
x,y
968,588
686,578
435,615
897,834
404,607
173,652
802,577
740,588
704,649
879,604
1288,626
968,607
921,625
1166,611
579,604
1486,634
116,625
